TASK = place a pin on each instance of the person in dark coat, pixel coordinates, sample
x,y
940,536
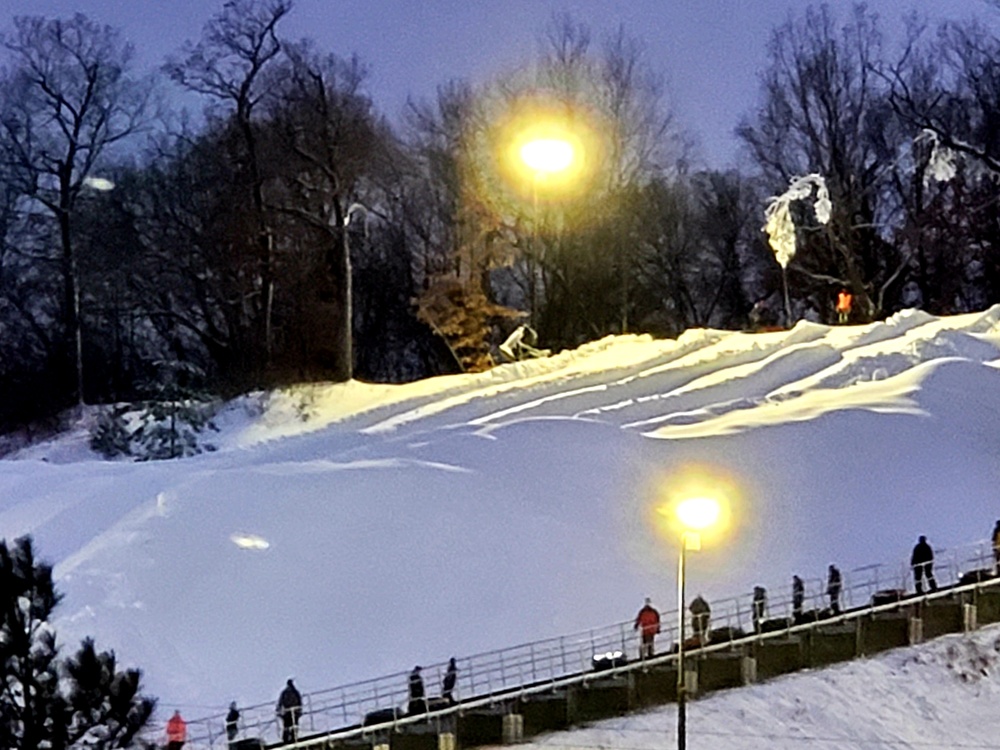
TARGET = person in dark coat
x,y
700,616
759,607
418,703
834,585
798,597
448,684
232,723
647,622
996,549
290,710
922,561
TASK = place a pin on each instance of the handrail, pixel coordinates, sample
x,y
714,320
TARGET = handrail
x,y
543,665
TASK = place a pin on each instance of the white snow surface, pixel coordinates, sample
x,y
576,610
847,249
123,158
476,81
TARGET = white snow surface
x,y
941,695
388,526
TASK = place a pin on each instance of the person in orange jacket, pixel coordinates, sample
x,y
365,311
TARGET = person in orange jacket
x,y
176,732
844,300
647,622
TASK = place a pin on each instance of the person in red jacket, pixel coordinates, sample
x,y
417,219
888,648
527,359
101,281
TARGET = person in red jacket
x,y
647,622
176,732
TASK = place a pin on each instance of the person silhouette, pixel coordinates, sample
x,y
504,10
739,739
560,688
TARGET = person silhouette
x,y
834,585
759,607
996,548
798,597
448,684
418,701
922,562
232,723
289,708
701,614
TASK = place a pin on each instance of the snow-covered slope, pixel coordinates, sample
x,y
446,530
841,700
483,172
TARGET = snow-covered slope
x,y
937,696
406,524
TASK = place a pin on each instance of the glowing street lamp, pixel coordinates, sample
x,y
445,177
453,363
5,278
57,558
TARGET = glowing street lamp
x,y
695,514
547,155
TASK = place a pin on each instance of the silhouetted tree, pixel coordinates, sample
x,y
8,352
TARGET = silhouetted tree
x,y
67,97
229,65
48,702
824,111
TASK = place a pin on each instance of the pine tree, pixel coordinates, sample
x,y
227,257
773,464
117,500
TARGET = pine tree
x,y
50,702
173,419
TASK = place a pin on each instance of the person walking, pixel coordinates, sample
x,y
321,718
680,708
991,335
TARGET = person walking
x,y
176,732
996,548
798,597
290,710
700,616
418,703
922,562
834,585
647,622
232,724
448,684
759,607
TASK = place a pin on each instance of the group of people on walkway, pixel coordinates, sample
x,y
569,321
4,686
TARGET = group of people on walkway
x,y
289,708
647,621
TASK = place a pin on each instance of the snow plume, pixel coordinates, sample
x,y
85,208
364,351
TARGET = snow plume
x,y
780,226
941,166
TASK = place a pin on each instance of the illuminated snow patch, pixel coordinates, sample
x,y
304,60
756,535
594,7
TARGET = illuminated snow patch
x,y
249,541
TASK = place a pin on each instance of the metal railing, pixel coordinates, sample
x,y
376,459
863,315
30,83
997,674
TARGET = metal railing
x,y
543,665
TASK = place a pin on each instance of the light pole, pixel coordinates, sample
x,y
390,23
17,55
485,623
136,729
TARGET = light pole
x,y
544,157
695,515
102,185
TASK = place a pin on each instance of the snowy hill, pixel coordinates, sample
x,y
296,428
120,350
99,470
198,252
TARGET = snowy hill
x,y
397,525
938,695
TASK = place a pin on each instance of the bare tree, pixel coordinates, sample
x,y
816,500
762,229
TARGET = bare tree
x,y
945,91
68,97
330,140
824,112
228,65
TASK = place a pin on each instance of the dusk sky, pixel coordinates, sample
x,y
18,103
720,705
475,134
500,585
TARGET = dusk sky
x,y
710,52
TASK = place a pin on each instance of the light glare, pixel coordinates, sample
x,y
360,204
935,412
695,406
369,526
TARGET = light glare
x,y
99,183
698,512
249,541
547,155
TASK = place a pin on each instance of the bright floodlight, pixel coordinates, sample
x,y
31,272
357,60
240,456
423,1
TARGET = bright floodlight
x,y
249,541
698,513
547,154
99,183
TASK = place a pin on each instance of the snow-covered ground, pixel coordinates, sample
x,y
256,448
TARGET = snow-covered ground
x,y
938,696
405,524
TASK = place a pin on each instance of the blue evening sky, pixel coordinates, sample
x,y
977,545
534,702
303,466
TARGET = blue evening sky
x,y
710,52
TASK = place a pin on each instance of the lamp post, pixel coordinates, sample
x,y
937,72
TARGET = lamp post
x,y
695,515
543,157
102,185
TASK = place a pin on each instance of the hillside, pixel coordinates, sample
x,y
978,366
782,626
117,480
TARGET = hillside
x,y
405,524
939,695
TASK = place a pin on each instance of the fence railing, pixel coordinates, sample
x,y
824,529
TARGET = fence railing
x,y
537,665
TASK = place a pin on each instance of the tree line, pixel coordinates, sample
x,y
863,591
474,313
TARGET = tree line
x,y
288,231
